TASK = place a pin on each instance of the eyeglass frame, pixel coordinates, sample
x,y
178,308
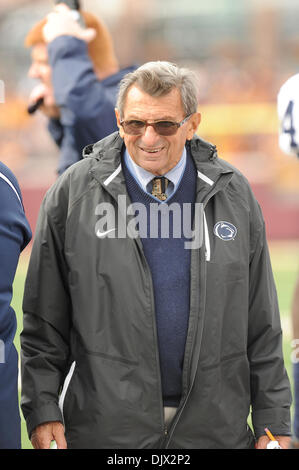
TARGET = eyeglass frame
x,y
178,124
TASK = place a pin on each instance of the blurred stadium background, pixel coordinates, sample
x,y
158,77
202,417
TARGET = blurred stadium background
x,y
242,51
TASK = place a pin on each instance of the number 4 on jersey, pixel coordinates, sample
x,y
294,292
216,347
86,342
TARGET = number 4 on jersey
x,y
287,125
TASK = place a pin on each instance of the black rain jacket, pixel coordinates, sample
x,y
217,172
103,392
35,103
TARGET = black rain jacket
x,y
89,345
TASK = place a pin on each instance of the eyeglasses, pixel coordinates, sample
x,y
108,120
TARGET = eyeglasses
x,y
136,127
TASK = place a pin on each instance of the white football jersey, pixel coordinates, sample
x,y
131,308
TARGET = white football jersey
x,y
288,115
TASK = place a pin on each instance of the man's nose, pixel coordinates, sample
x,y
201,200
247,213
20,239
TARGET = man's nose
x,y
150,135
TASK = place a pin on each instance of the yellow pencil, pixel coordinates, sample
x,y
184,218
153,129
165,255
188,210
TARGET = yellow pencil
x,y
270,435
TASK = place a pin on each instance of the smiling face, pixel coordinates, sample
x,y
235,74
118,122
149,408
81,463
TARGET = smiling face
x,y
156,153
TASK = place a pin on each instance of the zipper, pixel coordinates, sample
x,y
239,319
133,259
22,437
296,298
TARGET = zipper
x,y
138,243
168,433
204,257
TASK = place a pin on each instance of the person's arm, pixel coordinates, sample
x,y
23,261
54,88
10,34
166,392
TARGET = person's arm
x,y
76,86
84,100
86,105
46,329
270,388
80,95
15,234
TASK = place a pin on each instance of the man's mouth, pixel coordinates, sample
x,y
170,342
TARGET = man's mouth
x,y
151,150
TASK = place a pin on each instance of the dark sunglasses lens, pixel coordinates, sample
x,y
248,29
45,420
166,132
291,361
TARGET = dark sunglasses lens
x,y
138,127
165,127
133,127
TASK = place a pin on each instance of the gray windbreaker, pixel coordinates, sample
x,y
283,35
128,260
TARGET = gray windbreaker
x,y
89,345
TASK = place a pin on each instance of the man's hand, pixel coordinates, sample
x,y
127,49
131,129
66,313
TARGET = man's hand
x,y
284,442
45,433
61,23
48,107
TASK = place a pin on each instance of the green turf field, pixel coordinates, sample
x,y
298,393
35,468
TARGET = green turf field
x,y
285,263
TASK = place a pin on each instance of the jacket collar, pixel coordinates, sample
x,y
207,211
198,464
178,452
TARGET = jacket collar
x,y
107,160
107,165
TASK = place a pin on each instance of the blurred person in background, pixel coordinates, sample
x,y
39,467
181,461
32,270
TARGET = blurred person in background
x,y
79,75
288,114
15,234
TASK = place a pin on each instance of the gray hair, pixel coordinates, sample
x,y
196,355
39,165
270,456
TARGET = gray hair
x,y
159,78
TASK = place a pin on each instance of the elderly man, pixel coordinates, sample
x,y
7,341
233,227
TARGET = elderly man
x,y
79,76
147,339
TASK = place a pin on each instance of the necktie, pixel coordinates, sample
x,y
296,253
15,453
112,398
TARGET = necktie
x,y
159,187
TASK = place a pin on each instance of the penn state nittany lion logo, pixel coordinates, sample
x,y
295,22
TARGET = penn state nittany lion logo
x,y
225,230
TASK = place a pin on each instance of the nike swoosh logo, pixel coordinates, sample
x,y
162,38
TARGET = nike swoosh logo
x,y
103,234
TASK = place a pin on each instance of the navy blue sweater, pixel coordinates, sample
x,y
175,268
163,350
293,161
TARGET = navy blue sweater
x,y
86,103
169,262
14,235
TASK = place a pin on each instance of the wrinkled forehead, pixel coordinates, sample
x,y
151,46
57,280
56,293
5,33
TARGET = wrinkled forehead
x,y
140,104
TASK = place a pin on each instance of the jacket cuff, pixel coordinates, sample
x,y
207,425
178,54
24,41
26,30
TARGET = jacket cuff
x,y
276,419
44,414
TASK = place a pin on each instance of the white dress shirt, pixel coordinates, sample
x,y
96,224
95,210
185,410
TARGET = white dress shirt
x,y
144,177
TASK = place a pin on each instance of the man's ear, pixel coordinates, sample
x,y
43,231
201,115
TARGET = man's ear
x,y
193,124
118,119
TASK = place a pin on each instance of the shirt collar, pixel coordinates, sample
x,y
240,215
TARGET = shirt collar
x,y
143,177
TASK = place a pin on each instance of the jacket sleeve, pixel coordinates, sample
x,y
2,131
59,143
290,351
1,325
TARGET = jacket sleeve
x,y
86,103
270,388
46,324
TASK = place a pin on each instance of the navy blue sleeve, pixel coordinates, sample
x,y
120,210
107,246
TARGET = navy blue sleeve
x,y
86,103
15,234
83,99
